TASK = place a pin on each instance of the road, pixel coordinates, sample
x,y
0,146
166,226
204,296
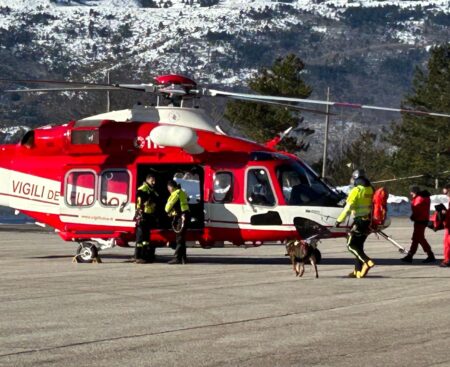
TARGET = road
x,y
227,307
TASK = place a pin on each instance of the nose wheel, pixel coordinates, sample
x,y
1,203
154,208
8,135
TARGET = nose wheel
x,y
87,252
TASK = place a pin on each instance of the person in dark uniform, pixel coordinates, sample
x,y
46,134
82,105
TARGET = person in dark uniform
x,y
177,208
146,202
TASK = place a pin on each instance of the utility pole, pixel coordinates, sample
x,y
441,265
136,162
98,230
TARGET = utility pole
x,y
436,181
108,101
325,139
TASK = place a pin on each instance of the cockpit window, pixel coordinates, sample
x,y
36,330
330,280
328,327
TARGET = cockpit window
x,y
302,187
259,191
223,187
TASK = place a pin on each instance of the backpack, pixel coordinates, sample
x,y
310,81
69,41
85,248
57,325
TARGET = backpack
x,y
379,207
437,219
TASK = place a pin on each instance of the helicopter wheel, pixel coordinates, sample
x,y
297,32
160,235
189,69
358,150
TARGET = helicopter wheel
x,y
87,252
318,255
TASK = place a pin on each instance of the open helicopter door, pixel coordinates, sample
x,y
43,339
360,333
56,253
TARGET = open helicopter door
x,y
93,198
189,177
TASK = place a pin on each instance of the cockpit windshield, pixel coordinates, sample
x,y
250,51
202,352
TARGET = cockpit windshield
x,y
301,186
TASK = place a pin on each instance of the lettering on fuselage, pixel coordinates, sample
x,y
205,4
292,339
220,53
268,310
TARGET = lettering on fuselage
x,y
81,199
141,142
32,190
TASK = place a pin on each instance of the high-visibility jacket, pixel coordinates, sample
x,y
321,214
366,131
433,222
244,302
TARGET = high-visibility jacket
x,y
177,203
359,203
146,199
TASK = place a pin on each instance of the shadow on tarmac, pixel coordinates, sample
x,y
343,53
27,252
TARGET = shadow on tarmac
x,y
233,260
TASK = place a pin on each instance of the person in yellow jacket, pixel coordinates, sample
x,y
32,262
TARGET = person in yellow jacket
x,y
177,208
359,204
145,218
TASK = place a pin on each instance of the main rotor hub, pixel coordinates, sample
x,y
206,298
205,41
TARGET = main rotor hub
x,y
176,88
175,82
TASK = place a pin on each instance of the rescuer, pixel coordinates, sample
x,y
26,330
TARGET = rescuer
x,y
446,262
177,208
359,203
420,207
146,203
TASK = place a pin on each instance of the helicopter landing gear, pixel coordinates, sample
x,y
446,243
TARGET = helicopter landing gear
x,y
87,252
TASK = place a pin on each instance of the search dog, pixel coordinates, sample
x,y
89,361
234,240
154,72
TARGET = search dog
x,y
301,252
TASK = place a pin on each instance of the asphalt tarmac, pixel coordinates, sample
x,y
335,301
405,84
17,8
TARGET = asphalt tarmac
x,y
227,307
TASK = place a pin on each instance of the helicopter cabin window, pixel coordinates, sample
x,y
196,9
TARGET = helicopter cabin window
x,y
223,187
302,187
259,190
80,188
85,136
115,188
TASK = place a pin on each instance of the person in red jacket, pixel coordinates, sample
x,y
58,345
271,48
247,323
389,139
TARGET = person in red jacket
x,y
420,206
446,262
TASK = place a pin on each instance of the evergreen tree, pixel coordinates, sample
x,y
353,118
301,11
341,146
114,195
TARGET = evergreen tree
x,y
262,122
366,153
423,142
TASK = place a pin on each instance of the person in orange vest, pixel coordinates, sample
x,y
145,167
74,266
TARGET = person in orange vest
x,y
420,207
446,262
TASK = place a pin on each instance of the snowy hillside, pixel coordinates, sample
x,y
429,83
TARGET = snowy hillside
x,y
180,37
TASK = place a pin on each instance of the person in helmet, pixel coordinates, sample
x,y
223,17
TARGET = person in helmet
x,y
359,204
146,203
177,208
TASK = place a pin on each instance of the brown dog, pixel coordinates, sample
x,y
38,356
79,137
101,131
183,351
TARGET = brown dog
x,y
301,252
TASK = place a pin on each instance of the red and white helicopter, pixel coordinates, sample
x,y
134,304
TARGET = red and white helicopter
x,y
81,177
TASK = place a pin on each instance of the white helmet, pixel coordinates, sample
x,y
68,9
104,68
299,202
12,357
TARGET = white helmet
x,y
358,174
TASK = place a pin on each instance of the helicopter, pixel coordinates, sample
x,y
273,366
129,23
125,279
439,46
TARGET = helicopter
x,y
80,177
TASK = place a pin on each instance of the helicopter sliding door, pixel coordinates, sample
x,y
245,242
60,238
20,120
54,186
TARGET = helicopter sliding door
x,y
100,198
189,177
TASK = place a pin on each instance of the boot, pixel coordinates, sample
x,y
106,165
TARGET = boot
x,y
175,261
137,253
429,259
365,269
352,274
407,259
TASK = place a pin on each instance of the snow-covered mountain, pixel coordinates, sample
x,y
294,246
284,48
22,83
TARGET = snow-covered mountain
x,y
364,50
205,41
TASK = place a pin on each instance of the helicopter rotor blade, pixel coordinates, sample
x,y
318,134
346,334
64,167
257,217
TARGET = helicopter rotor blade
x,y
38,81
214,93
149,88
69,89
286,105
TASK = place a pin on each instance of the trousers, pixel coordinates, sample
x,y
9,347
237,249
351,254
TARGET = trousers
x,y
356,239
144,250
180,224
418,238
447,245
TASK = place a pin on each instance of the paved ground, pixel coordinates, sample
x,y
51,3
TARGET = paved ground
x,y
232,306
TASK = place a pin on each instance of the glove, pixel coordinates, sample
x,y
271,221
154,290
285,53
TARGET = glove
x,y
337,224
138,216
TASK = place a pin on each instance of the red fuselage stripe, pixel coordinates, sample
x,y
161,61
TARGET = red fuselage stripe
x,y
31,199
